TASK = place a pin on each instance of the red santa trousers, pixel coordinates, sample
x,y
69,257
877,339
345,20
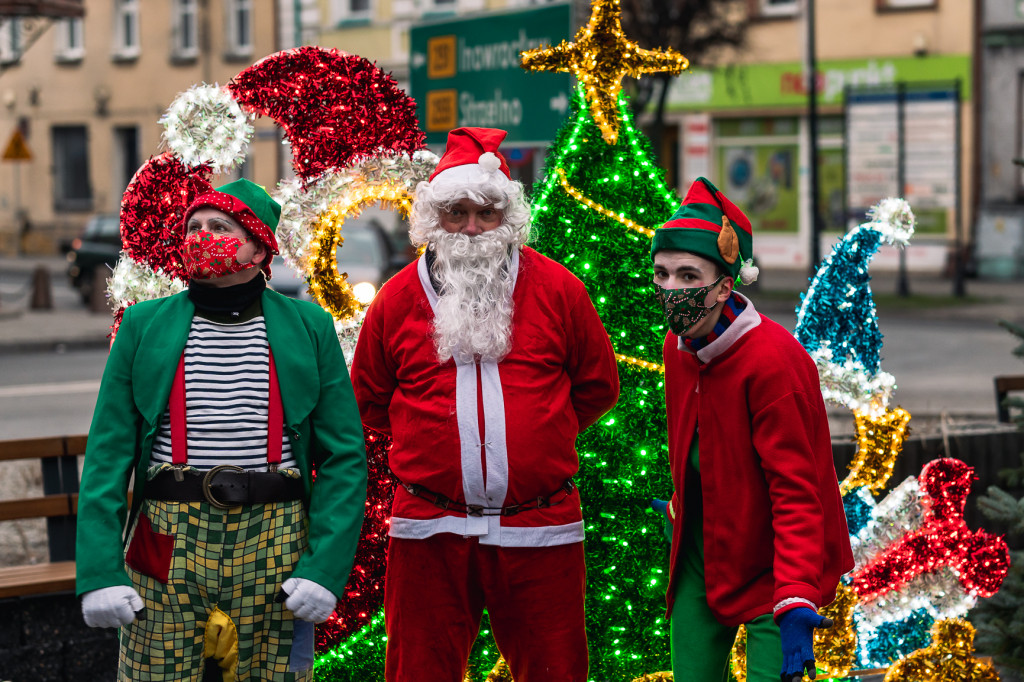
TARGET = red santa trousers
x,y
435,591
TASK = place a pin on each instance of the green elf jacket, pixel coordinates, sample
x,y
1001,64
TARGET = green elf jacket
x,y
320,417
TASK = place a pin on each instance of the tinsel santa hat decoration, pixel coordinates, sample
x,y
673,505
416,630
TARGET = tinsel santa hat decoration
x,y
471,156
711,226
837,321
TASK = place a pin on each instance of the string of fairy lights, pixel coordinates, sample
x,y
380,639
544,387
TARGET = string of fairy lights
x,y
919,566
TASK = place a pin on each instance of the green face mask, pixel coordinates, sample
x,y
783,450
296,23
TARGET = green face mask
x,y
684,307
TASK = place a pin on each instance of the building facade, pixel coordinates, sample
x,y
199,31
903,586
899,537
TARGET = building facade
x,y
895,100
1000,223
87,94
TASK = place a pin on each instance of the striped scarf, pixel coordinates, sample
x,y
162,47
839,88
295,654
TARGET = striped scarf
x,y
730,311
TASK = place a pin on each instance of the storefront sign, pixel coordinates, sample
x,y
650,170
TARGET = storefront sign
x,y
783,84
922,158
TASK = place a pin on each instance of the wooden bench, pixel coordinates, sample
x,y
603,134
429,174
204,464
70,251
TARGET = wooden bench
x,y
1004,386
58,505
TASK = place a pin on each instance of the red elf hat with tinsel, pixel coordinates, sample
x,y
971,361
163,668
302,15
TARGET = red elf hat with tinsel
x,y
470,154
711,226
251,206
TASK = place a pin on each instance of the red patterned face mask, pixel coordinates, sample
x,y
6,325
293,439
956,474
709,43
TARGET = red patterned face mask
x,y
209,257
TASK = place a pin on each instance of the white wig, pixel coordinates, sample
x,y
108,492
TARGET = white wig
x,y
480,188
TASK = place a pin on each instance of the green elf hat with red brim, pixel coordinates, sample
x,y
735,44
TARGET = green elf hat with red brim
x,y
251,206
709,225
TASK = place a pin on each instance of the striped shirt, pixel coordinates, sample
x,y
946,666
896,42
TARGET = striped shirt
x,y
226,398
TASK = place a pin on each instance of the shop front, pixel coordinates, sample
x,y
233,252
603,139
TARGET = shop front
x,y
745,128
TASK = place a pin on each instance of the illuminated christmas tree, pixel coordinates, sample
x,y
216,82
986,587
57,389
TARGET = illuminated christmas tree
x,y
594,214
595,211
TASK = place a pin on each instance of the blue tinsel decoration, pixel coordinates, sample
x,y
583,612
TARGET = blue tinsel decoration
x,y
860,507
837,311
880,646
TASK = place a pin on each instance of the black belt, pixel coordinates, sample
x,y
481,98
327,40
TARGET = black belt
x,y
225,487
445,502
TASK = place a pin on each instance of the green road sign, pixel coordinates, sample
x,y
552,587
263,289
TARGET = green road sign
x,y
466,72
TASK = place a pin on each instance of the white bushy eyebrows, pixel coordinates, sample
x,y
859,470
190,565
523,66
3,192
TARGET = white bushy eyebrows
x,y
458,204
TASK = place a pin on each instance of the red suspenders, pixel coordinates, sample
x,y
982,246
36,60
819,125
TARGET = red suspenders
x,y
179,432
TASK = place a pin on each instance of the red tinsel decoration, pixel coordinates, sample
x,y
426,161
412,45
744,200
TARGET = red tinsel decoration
x,y
980,559
153,207
364,593
334,107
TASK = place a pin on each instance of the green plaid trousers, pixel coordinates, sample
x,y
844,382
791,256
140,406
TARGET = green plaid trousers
x,y
230,560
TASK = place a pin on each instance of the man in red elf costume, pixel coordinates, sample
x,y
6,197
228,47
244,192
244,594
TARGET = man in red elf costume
x,y
483,360
759,534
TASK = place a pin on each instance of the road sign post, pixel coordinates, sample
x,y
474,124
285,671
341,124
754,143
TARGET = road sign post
x,y
17,151
466,72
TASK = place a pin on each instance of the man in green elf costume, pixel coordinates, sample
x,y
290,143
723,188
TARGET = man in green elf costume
x,y
759,534
220,400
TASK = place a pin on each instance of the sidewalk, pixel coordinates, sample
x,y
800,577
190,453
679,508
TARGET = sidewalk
x,y
68,325
71,325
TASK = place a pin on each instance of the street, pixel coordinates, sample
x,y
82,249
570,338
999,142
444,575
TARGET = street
x,y
49,394
940,365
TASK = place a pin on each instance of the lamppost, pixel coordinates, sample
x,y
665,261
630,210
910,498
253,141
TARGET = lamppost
x,y
812,129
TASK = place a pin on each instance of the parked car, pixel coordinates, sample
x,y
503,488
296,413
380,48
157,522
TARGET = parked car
x,y
366,255
98,247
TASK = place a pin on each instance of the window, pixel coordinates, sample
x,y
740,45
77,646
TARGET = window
x,y
126,159
70,43
72,190
905,4
240,27
184,29
126,28
351,10
778,8
10,41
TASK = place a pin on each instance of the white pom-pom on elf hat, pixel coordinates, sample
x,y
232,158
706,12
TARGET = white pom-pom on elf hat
x,y
472,156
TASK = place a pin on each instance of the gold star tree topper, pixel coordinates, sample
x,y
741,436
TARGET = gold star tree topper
x,y
599,58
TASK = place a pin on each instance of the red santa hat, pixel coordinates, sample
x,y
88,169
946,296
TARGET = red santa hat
x,y
472,155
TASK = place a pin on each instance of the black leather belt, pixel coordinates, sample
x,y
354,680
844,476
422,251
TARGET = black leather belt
x,y
225,487
444,502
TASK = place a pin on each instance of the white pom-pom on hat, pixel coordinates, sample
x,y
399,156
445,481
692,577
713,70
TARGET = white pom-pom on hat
x,y
749,272
489,161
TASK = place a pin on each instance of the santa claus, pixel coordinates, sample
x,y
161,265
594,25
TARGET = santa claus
x,y
483,360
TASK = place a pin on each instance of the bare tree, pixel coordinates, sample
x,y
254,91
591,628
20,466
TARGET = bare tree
x,y
701,29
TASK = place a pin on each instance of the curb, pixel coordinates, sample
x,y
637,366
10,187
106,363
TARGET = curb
x,y
52,345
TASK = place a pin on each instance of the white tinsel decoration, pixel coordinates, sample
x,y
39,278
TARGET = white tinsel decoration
x,y
850,384
301,206
937,592
898,513
348,334
132,282
893,218
205,124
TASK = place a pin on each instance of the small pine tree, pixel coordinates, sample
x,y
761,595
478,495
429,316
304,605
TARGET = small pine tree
x,y
1000,620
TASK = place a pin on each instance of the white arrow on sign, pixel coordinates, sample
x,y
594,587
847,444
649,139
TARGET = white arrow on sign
x,y
418,59
560,103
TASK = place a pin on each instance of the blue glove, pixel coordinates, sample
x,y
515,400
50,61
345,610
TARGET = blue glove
x,y
660,506
796,629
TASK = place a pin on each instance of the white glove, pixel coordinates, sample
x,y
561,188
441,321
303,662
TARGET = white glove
x,y
111,607
308,600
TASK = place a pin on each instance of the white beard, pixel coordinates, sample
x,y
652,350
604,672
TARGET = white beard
x,y
474,310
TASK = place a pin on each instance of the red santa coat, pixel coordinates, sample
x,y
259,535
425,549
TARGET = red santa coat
x,y
775,532
486,433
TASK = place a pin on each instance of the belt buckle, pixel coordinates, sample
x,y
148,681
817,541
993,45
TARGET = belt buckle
x,y
208,479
